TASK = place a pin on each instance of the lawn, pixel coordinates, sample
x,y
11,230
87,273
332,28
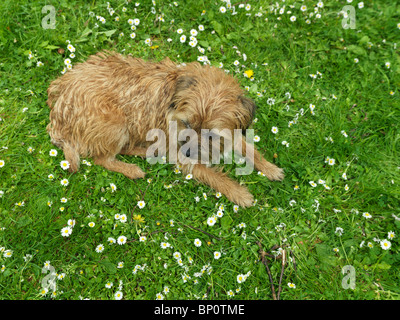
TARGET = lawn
x,y
328,112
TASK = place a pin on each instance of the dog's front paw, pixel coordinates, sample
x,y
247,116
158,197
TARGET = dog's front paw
x,y
274,173
242,197
134,172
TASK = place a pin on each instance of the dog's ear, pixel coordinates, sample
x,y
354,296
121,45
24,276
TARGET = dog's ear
x,y
182,83
249,109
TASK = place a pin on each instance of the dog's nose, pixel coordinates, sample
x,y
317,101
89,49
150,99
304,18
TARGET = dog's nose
x,y
188,153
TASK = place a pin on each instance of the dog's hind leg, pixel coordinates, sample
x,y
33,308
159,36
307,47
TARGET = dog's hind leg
x,y
135,151
130,170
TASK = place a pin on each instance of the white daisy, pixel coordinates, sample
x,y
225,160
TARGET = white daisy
x,y
66,231
121,240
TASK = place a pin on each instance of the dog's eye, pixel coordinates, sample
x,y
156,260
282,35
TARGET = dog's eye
x,y
186,124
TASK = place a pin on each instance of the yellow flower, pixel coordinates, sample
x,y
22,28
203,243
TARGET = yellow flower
x,y
154,47
249,73
138,218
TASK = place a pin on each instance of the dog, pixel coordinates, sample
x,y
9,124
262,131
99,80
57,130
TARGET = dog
x,y
106,105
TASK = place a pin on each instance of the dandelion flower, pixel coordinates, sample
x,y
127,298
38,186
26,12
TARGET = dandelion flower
x,y
249,74
138,218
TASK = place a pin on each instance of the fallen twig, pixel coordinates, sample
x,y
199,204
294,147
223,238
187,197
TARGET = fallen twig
x,y
282,270
265,262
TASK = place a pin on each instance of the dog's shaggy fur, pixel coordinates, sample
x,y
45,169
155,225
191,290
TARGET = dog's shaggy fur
x,y
106,105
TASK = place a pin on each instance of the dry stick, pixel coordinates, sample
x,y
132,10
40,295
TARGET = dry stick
x,y
282,270
264,261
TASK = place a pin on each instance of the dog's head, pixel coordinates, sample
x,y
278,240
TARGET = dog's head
x,y
207,106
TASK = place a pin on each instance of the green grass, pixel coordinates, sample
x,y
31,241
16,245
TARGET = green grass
x,y
361,99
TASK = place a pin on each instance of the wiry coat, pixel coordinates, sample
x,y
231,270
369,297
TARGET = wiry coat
x,y
106,106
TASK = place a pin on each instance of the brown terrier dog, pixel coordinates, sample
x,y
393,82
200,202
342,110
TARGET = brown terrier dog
x,y
107,105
